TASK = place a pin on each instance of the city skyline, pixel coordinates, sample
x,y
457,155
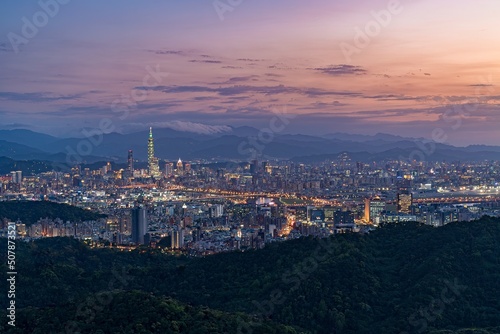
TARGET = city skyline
x,y
250,166
398,67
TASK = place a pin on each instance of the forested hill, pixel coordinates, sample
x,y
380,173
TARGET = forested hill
x,y
403,278
131,312
29,212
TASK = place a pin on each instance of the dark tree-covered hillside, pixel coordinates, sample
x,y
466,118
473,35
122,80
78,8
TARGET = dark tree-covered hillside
x,y
403,278
30,212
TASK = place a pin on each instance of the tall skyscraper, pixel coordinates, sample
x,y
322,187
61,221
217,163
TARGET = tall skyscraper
x,y
254,167
154,169
404,195
16,177
131,162
405,202
169,168
139,225
373,208
180,167
177,238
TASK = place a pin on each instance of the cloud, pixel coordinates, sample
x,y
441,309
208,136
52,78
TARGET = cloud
x,y
191,127
342,69
36,97
206,61
241,79
392,97
168,52
274,75
205,98
323,106
234,80
280,66
5,48
246,89
249,59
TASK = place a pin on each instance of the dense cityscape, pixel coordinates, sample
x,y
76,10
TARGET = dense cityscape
x,y
201,208
250,167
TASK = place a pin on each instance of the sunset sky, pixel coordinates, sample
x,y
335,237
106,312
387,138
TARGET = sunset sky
x,y
428,65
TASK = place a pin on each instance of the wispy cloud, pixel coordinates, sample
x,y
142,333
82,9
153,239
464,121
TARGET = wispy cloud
x,y
168,52
5,48
37,97
249,59
206,61
246,89
184,126
342,69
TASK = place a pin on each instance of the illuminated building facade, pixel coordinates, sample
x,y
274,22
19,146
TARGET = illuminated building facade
x,y
404,203
154,169
373,208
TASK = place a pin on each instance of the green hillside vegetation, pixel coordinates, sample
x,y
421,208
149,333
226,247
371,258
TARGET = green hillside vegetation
x,y
402,278
134,312
30,212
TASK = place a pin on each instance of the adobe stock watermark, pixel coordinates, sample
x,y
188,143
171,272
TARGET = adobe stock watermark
x,y
454,116
223,6
11,273
122,106
253,147
31,27
363,36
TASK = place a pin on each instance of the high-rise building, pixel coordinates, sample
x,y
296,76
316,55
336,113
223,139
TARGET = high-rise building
x,y
344,221
154,169
404,203
329,212
130,162
178,238
254,167
216,210
139,225
169,168
180,166
373,208
343,218
404,197
16,176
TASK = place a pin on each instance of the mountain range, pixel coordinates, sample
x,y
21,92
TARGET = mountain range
x,y
237,143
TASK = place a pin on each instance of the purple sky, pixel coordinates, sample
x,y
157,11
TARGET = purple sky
x,y
424,65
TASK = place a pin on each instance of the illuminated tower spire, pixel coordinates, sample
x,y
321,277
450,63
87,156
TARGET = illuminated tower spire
x,y
154,169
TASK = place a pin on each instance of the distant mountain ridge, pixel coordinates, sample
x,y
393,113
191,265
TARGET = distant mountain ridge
x,y
237,144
